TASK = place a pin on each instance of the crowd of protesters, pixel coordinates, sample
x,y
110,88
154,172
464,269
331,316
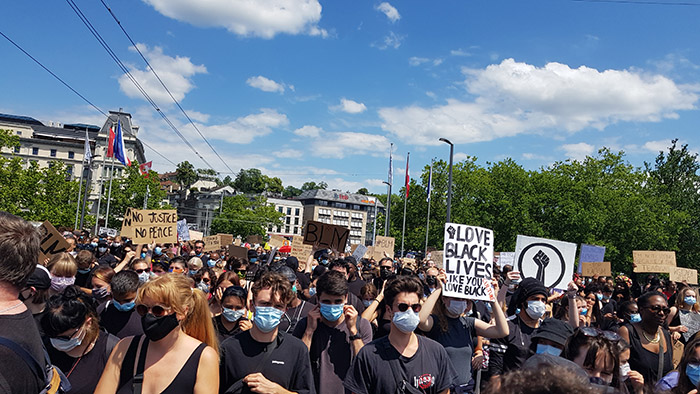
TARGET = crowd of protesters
x,y
109,316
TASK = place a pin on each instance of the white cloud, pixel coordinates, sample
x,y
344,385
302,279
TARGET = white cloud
x,y
535,156
417,61
198,116
459,156
175,72
262,18
657,146
512,98
337,145
350,106
392,40
289,154
308,131
578,151
437,62
245,129
265,84
389,10
459,52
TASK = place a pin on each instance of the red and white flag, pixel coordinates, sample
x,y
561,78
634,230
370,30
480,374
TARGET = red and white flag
x,y
144,168
408,177
110,144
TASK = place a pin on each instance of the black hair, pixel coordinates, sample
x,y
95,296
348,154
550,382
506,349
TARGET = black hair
x,y
607,289
212,275
623,306
124,282
235,291
67,310
178,259
332,283
339,263
402,284
644,300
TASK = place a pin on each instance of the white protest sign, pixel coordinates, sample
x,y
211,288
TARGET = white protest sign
x,y
468,260
109,231
506,258
359,252
549,261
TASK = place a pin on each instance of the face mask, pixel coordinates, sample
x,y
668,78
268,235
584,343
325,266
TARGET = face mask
x,y
332,312
431,281
367,303
324,262
597,380
384,273
100,293
535,309
232,315
294,289
93,244
489,307
547,349
625,371
312,291
421,276
85,271
116,244
143,255
66,345
693,372
267,318
124,307
689,300
599,296
606,297
252,260
59,283
407,321
635,318
203,286
193,272
101,249
584,311
212,263
456,307
157,328
241,275
144,277
158,250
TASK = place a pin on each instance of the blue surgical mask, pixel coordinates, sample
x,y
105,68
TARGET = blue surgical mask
x,y
332,312
690,300
232,315
312,291
456,307
254,259
547,349
584,311
635,318
144,277
85,271
693,372
124,307
158,250
193,272
143,255
535,309
203,286
294,289
599,296
66,345
267,318
406,322
93,244
367,303
211,263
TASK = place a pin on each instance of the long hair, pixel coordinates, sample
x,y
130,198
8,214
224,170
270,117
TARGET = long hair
x,y
63,264
684,383
681,295
68,310
175,291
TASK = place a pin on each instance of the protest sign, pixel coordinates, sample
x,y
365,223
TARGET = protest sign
x,y
196,235
300,250
468,262
144,226
326,235
684,274
52,242
550,261
590,254
506,258
653,261
276,241
384,245
212,243
183,232
237,241
226,239
238,251
359,252
254,239
110,232
589,269
437,257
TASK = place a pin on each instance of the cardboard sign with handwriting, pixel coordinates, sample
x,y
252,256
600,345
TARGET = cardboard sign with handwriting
x,y
326,235
684,274
653,261
359,252
238,251
384,244
276,241
144,226
254,239
52,242
196,235
299,249
217,242
589,269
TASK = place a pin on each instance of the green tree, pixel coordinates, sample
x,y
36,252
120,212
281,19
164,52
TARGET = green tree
x,y
8,139
272,185
244,216
249,181
129,191
186,175
363,191
314,186
291,192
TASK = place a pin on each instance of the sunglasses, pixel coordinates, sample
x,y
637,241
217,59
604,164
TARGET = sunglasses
x,y
595,332
140,271
156,310
205,280
657,309
69,337
403,307
177,270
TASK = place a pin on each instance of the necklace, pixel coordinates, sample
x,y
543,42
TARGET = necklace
x,y
11,308
655,339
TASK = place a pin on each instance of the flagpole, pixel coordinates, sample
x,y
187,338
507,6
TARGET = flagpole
x,y
374,231
109,193
405,200
99,197
388,196
427,223
80,190
85,195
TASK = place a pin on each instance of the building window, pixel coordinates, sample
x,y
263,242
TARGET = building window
x,y
71,155
16,149
289,211
69,170
356,207
35,151
53,152
296,212
289,220
286,229
280,209
19,133
296,220
296,230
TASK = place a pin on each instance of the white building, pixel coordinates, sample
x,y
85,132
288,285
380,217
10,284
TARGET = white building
x,y
292,222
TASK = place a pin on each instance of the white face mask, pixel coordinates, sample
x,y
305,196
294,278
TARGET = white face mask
x,y
535,309
625,370
456,307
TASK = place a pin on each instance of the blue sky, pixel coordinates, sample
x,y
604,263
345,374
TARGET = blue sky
x,y
311,90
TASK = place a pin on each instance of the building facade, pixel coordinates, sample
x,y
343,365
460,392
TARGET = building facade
x,y
293,220
200,208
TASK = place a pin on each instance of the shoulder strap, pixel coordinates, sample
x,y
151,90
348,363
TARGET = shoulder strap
x,y
25,356
127,370
138,378
660,372
111,343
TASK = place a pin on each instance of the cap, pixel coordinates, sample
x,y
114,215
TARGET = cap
x,y
40,279
287,273
554,330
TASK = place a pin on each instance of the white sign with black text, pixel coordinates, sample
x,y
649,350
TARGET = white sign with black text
x,y
468,262
549,261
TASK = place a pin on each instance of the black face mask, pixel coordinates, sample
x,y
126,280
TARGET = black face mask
x,y
156,328
385,273
431,281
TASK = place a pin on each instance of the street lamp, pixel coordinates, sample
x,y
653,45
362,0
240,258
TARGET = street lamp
x,y
449,179
388,209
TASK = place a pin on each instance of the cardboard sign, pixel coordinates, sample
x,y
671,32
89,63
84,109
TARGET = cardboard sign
x,y
183,232
237,241
238,251
589,269
384,244
590,254
276,241
326,235
437,257
212,243
144,226
254,239
359,252
506,258
300,250
52,242
654,261
468,252
109,231
550,261
196,235
684,274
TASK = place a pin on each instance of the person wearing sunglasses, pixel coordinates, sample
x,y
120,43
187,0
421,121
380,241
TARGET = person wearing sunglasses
x,y
233,318
142,269
179,351
118,316
651,352
402,360
205,279
76,345
263,359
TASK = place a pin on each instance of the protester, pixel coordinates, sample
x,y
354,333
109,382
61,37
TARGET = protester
x,y
297,308
686,377
142,269
100,282
431,280
223,282
179,339
62,268
596,352
684,319
118,316
633,380
19,253
204,279
74,340
103,254
334,333
36,292
355,282
548,379
413,361
194,264
86,263
263,359
550,337
178,266
233,318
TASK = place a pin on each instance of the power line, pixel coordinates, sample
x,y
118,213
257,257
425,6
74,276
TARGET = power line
x,y
153,70
121,65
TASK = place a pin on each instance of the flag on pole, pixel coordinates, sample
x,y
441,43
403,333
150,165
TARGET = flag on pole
x,y
408,177
430,183
119,150
110,143
87,156
144,168
391,167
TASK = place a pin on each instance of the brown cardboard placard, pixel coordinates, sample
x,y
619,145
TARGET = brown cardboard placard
x,y
654,268
254,239
276,241
654,257
226,239
211,243
684,274
437,257
196,235
326,235
600,269
237,241
52,242
238,251
144,226
384,244
299,249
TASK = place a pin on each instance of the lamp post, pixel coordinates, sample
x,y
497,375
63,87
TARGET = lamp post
x,y
449,179
388,209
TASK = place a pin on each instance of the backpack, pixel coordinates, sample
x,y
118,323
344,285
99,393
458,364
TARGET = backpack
x,y
55,382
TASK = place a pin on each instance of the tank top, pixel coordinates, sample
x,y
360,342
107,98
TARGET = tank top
x,y
182,384
647,362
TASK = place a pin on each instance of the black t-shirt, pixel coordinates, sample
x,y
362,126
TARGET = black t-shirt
x,y
355,286
509,353
288,365
458,342
15,375
118,323
82,280
430,369
84,372
331,352
221,332
290,318
108,259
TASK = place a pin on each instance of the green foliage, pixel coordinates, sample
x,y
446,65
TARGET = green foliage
x,y
244,216
185,174
363,191
314,186
291,192
129,191
8,139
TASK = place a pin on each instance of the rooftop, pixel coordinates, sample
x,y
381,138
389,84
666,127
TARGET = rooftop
x,y
339,196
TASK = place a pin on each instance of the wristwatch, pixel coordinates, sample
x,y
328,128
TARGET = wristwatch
x,y
354,337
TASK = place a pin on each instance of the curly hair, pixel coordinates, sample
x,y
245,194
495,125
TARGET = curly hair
x,y
550,379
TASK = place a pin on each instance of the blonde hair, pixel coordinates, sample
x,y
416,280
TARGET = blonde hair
x,y
175,291
62,264
681,296
195,263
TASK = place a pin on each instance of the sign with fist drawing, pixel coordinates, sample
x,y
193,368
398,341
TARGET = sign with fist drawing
x,y
549,261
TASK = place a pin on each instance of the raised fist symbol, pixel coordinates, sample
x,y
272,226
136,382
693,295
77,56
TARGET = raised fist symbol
x,y
542,260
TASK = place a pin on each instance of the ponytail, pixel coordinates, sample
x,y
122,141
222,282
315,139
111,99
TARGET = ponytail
x,y
198,323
